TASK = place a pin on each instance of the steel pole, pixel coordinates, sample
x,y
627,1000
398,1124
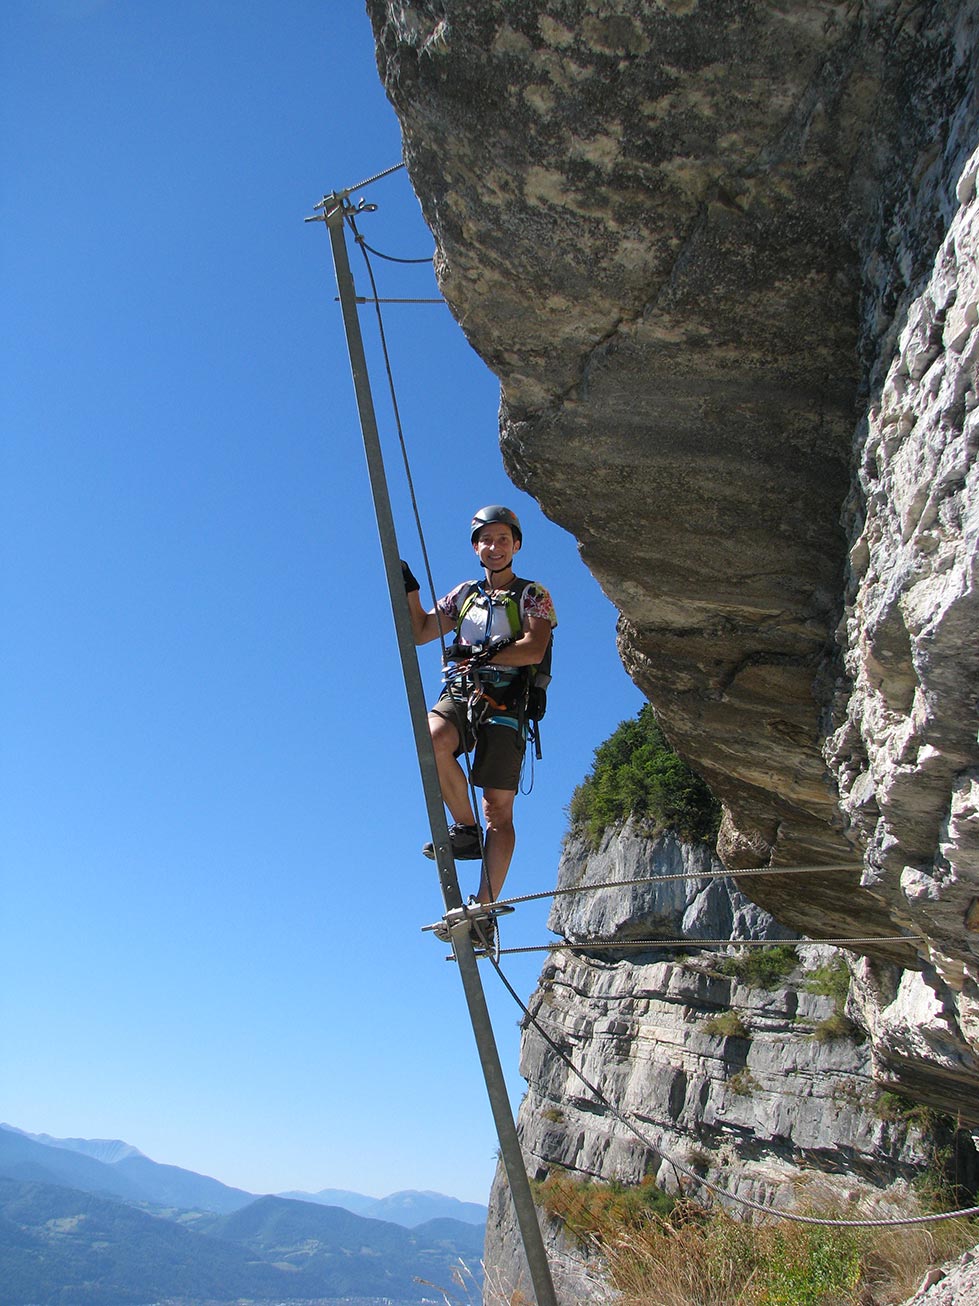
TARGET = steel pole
x,y
334,215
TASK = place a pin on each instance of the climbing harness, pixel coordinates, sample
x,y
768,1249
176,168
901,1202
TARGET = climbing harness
x,y
530,682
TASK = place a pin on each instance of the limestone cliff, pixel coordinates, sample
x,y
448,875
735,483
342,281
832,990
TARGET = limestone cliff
x,y
722,257
767,1088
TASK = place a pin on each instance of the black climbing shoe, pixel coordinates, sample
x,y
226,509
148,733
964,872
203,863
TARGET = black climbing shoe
x,y
465,844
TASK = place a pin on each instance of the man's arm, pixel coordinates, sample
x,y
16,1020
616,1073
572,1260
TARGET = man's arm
x,y
426,626
529,648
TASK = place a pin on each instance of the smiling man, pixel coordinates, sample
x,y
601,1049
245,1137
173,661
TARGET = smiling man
x,y
502,628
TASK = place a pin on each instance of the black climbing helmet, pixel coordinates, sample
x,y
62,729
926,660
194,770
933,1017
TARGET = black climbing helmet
x,y
495,512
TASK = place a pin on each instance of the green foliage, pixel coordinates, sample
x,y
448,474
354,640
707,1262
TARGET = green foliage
x,y
829,981
816,1267
832,1028
939,1185
762,968
896,1107
637,774
727,1025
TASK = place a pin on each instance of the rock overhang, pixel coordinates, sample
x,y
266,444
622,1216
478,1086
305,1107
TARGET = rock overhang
x,y
670,231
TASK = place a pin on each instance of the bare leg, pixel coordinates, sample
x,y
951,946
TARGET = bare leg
x,y
500,841
452,778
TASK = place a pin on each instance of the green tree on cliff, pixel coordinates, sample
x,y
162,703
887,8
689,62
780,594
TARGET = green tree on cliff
x,y
636,773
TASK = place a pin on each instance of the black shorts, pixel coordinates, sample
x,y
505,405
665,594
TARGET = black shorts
x,y
499,750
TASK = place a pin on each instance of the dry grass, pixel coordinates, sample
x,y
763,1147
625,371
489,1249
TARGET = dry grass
x,y
661,1253
897,1259
467,1290
599,1213
696,1259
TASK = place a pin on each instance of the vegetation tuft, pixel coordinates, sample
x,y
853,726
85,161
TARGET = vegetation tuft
x,y
762,968
637,774
744,1083
948,1181
832,1028
896,1107
727,1025
598,1211
831,980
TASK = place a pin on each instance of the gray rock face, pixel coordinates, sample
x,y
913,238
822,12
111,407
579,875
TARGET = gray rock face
x,y
954,1284
719,1080
905,755
650,221
690,905
723,260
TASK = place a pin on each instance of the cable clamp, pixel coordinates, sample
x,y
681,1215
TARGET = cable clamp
x,y
468,914
337,201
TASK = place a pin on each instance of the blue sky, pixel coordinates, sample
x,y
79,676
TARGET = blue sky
x,y
211,812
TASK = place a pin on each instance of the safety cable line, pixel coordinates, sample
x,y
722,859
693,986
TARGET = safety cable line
x,y
364,299
679,1169
665,879
406,462
399,427
361,185
390,257
463,951
338,198
615,944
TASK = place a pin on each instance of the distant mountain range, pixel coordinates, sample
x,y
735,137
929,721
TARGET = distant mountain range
x,y
111,1168
80,1230
409,1208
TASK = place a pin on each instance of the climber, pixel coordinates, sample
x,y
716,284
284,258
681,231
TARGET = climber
x,y
502,627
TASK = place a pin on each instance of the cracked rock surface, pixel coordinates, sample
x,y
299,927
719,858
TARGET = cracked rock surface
x,y
722,256
759,1088
679,234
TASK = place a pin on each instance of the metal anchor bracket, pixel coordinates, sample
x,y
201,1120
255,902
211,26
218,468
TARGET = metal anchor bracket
x,y
468,914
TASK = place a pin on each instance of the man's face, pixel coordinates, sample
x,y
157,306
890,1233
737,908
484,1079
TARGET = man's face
x,y
495,546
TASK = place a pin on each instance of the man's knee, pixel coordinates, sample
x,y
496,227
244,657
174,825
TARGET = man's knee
x,y
498,808
445,736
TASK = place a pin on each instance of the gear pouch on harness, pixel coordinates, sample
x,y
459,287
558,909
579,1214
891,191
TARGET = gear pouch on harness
x,y
536,678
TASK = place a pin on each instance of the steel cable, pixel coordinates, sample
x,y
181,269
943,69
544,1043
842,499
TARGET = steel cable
x,y
391,259
590,945
679,1169
685,875
406,462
